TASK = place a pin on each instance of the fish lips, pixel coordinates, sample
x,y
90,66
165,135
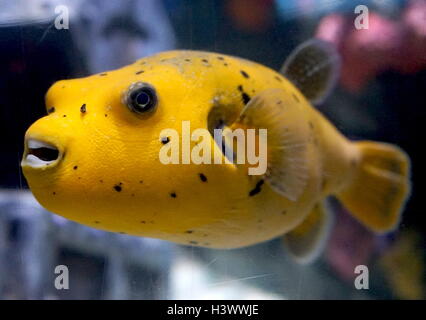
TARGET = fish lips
x,y
40,154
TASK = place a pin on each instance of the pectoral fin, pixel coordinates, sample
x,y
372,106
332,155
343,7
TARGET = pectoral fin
x,y
306,242
313,68
287,140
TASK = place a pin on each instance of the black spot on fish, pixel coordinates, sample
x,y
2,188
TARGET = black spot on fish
x,y
193,242
132,195
139,72
295,97
106,115
121,232
246,97
284,212
225,64
117,187
205,60
221,58
83,108
165,140
259,221
54,193
140,181
101,181
64,116
257,188
79,178
143,62
51,110
97,222
173,195
103,74
278,78
245,74
189,231
203,177
75,167
63,87
143,221
220,124
187,60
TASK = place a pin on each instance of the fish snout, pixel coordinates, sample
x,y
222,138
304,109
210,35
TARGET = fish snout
x,y
44,145
40,153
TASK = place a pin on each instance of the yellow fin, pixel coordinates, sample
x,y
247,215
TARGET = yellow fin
x,y
307,241
272,109
380,188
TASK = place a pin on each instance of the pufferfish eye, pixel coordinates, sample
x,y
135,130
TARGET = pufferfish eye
x,y
141,98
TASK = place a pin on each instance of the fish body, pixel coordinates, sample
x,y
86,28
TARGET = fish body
x,y
100,161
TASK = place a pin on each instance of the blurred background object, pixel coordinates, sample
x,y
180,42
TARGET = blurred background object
x,y
387,44
404,266
101,265
381,96
111,34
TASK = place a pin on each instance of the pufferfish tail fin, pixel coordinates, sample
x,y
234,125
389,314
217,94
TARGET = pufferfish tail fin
x,y
307,241
313,67
380,187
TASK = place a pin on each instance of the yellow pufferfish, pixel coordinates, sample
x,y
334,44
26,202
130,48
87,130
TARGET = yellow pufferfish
x,y
94,158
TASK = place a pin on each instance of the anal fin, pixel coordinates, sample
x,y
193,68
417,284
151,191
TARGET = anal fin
x,y
307,241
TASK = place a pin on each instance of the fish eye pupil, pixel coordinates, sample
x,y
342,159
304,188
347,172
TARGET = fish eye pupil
x,y
141,98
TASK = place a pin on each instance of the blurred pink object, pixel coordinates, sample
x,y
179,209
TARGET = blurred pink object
x,y
350,245
386,44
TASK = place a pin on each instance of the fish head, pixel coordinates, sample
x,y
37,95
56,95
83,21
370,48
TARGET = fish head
x,y
95,157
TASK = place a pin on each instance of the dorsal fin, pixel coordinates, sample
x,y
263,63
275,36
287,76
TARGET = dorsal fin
x,y
313,67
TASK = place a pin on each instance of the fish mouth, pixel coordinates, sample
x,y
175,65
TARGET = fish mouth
x,y
40,154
